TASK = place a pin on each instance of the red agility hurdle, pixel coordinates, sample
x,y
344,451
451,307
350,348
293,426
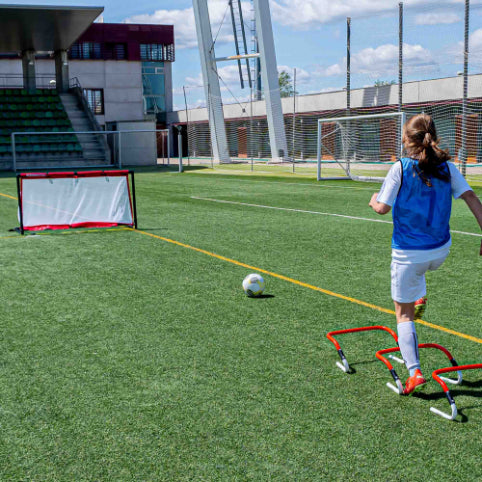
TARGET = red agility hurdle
x,y
441,381
399,387
344,365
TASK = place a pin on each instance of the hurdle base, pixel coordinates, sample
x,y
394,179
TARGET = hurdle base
x,y
445,415
397,389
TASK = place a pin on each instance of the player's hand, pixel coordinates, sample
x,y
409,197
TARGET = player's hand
x,y
373,200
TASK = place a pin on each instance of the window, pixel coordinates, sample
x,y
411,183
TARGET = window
x,y
157,52
153,87
115,51
86,50
95,99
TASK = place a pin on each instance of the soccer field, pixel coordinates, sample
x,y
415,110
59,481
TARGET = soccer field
x,y
135,355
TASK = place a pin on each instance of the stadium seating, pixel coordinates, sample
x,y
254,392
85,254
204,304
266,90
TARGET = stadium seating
x,y
40,111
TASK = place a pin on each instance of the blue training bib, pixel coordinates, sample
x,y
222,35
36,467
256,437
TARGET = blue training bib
x,y
421,212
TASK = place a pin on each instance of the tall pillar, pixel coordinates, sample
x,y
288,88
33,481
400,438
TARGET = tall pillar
x,y
28,67
212,90
269,74
61,71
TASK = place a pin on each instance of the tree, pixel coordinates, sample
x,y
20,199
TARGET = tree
x,y
285,85
379,83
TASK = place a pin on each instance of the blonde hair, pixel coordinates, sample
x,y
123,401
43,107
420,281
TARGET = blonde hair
x,y
421,142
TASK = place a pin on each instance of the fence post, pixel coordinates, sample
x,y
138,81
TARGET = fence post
x,y
179,146
400,56
463,149
120,149
14,157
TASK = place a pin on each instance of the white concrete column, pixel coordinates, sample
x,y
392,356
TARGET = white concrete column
x,y
61,71
211,82
269,76
28,67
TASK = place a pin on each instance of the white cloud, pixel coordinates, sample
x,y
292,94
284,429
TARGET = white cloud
x,y
185,27
475,47
455,54
306,14
382,61
437,18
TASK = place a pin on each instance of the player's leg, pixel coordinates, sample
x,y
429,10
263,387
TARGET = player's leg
x,y
421,303
408,284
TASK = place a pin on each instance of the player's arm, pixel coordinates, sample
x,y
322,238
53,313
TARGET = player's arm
x,y
474,205
378,207
461,189
381,202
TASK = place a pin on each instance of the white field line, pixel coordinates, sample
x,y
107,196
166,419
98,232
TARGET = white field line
x,y
294,183
223,201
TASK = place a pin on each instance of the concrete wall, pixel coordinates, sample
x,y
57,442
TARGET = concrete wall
x,y
413,92
138,148
45,70
122,84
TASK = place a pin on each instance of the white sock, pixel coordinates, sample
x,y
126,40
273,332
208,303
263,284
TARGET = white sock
x,y
408,343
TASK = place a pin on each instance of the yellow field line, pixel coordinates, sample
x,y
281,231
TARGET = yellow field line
x,y
305,285
9,197
285,278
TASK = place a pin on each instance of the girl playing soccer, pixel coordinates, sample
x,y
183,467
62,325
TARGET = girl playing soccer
x,y
420,189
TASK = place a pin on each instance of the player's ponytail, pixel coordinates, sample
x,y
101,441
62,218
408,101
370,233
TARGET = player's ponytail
x,y
421,142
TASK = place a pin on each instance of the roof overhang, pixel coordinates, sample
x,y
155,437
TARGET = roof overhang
x,y
43,28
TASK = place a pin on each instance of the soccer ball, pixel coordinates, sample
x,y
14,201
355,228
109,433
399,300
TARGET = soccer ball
x,y
253,285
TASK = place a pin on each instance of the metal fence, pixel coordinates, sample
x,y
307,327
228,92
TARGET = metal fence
x,y
89,149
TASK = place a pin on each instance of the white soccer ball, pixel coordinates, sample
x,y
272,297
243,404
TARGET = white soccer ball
x,y
253,285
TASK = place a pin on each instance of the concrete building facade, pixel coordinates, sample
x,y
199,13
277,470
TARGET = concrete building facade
x,y
124,69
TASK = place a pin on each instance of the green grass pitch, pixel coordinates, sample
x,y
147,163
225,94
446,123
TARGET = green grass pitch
x,y
127,357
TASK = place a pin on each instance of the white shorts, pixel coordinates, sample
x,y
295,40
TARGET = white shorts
x,y
408,280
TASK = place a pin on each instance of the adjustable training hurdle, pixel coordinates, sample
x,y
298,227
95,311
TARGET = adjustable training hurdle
x,y
344,365
441,381
398,387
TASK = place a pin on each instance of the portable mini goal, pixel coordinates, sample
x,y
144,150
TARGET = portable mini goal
x,y
88,199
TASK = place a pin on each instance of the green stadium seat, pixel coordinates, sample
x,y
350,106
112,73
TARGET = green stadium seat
x,y
41,111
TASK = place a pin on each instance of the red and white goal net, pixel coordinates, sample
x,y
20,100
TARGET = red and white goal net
x,y
89,199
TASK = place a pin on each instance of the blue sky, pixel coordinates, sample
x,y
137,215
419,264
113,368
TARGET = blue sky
x,y
310,36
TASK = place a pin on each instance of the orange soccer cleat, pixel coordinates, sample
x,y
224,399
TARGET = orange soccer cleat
x,y
414,383
420,306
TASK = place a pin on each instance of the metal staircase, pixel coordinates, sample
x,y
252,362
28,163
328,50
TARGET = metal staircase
x,y
94,150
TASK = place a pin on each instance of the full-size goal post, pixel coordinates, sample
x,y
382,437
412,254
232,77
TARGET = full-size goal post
x,y
362,146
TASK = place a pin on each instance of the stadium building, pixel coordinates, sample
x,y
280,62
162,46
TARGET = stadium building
x,y
61,72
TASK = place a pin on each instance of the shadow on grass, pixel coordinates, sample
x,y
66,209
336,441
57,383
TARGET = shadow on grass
x,y
466,389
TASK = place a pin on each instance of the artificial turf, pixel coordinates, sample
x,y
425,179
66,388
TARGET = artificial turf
x,y
127,357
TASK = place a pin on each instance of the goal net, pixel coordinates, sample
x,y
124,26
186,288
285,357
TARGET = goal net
x,y
89,199
360,147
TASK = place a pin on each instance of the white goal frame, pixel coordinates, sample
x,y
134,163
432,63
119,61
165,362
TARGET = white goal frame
x,y
345,163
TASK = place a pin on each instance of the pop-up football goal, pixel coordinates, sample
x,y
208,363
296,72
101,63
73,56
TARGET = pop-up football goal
x,y
88,199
